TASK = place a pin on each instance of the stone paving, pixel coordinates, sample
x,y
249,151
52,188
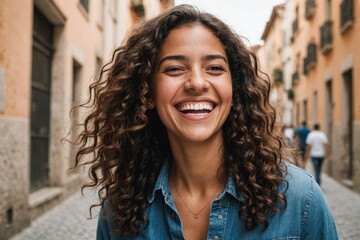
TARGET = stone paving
x,y
345,207
68,221
344,204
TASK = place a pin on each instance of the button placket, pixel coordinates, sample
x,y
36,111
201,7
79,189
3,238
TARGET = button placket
x,y
218,215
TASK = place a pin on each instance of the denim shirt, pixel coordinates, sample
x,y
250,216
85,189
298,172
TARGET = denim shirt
x,y
307,215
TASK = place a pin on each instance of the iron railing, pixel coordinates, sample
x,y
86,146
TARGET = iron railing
x,y
138,7
295,26
85,4
347,14
310,59
326,37
295,77
309,9
305,70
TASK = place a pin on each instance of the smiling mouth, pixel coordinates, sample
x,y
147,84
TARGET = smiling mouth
x,y
195,108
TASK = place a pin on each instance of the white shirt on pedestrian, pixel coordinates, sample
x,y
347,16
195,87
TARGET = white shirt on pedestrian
x,y
316,139
289,133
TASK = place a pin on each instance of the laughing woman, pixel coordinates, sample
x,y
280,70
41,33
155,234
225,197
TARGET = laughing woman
x,y
183,143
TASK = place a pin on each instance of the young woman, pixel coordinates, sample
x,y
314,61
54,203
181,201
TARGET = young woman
x,y
183,143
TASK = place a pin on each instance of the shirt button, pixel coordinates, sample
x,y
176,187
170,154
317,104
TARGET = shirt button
x,y
172,215
216,238
219,217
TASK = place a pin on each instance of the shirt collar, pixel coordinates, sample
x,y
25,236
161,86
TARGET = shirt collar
x,y
162,183
230,188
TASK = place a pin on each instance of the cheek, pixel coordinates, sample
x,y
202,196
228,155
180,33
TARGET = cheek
x,y
225,91
163,93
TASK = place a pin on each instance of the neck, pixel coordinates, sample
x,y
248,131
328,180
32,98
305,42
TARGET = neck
x,y
197,168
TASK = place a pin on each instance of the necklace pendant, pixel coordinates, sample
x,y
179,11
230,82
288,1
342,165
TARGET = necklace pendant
x,y
196,216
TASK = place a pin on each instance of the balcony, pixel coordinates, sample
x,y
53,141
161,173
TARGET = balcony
x,y
138,8
295,26
290,94
305,71
278,76
309,9
347,15
85,5
310,60
295,78
326,37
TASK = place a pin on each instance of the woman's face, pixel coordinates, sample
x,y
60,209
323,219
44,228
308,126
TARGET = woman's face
x,y
192,86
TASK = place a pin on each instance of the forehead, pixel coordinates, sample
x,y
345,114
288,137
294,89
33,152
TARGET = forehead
x,y
191,38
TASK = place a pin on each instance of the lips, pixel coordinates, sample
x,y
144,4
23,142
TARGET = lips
x,y
195,108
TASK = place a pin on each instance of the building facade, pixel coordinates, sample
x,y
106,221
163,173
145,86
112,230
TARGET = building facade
x,y
270,55
327,89
50,52
322,58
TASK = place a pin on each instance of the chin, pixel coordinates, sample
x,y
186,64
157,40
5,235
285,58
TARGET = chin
x,y
199,136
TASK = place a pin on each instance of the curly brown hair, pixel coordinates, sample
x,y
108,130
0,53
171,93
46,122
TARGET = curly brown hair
x,y
128,143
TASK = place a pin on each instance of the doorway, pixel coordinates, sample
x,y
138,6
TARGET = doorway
x,y
348,123
329,117
40,100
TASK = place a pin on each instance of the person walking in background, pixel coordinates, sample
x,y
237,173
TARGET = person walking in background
x,y
318,148
300,136
289,134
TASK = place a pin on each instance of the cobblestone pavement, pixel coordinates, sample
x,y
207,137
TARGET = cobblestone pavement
x,y
69,220
345,207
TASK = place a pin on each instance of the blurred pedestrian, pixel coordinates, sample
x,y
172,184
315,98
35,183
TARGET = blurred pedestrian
x,y
183,144
317,148
289,134
300,138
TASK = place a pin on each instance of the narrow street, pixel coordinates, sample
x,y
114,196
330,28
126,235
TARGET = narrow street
x,y
69,220
345,207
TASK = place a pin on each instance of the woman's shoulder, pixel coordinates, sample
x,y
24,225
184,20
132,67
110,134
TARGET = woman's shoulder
x,y
300,184
297,174
303,192
306,200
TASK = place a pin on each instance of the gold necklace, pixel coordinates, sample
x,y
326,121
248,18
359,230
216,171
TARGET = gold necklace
x,y
196,215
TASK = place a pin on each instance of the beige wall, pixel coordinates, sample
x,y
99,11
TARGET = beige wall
x,y
13,55
15,73
270,57
344,55
79,37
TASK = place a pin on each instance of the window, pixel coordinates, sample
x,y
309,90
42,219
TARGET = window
x,y
328,9
85,5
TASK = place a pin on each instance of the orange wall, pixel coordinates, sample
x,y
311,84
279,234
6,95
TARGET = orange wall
x,y
16,55
343,46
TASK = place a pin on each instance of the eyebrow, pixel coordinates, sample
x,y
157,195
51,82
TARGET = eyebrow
x,y
214,56
173,57
183,58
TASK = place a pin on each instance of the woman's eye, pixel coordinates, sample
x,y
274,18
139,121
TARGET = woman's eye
x,y
216,69
173,70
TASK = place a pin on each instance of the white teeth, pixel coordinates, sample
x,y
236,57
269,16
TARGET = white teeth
x,y
195,114
196,106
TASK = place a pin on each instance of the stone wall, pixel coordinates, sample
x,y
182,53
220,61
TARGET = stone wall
x,y
356,136
340,163
14,175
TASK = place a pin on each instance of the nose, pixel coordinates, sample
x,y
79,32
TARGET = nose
x,y
197,82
